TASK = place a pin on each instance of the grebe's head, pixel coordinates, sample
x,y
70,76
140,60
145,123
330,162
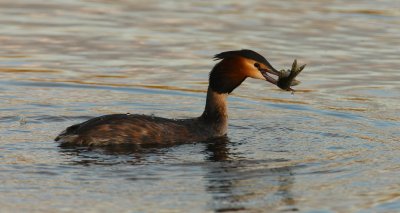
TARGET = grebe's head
x,y
236,66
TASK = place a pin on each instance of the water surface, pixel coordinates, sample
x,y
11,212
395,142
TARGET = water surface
x,y
333,146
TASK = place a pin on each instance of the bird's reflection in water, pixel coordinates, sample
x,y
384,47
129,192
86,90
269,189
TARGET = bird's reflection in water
x,y
241,185
110,155
234,182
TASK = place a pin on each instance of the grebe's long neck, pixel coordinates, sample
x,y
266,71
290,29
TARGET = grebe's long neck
x,y
215,113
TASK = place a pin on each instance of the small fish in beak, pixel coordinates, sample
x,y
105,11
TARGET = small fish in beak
x,y
286,78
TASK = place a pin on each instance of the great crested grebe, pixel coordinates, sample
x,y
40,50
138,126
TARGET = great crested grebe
x,y
229,73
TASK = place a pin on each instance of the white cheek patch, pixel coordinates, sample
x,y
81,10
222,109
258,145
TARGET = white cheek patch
x,y
253,71
258,75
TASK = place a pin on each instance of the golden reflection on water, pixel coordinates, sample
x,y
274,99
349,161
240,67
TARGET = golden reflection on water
x,y
26,70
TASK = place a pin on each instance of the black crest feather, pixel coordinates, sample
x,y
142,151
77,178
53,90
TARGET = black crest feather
x,y
250,54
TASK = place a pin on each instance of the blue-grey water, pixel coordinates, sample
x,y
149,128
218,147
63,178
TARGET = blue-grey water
x,y
333,146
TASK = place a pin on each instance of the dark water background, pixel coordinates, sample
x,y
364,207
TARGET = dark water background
x,y
331,147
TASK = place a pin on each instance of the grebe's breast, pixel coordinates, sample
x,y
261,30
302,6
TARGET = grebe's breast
x,y
134,129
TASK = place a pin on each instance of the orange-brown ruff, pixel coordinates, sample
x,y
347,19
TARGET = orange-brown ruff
x,y
229,73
